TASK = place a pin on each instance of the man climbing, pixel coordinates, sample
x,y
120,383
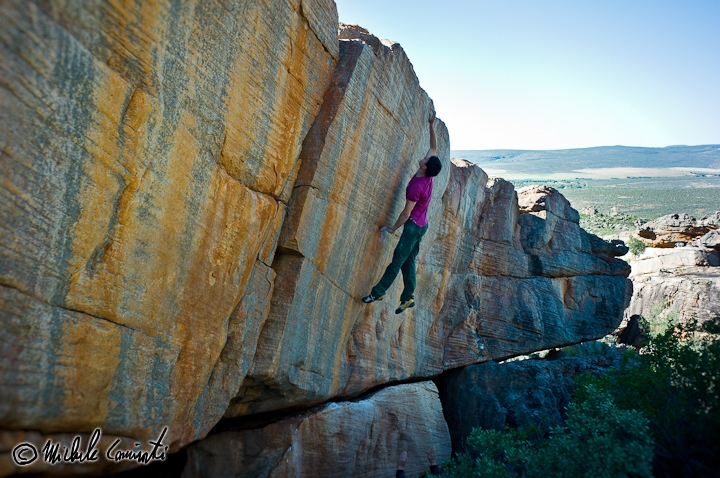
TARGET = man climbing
x,y
414,221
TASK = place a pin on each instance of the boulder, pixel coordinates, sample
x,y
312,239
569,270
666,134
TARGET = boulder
x,y
680,284
520,393
520,282
710,240
683,294
492,283
672,229
355,162
654,260
711,221
358,438
192,197
148,153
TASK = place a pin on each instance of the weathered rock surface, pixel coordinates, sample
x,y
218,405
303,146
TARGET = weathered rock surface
x,y
147,149
693,292
520,393
189,213
517,282
492,283
682,282
360,152
677,228
653,260
360,438
710,240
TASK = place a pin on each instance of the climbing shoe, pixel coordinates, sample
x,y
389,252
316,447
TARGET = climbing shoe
x,y
370,298
405,305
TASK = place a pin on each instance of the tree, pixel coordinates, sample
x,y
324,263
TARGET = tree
x,y
598,440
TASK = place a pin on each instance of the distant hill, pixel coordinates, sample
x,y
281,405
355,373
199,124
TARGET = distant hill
x,y
563,160
626,185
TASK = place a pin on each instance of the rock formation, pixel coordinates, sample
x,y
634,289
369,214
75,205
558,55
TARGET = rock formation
x,y
655,260
682,282
147,155
517,394
632,334
710,240
672,229
360,438
356,159
680,275
190,209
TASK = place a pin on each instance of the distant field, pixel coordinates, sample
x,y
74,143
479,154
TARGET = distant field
x,y
634,184
606,173
533,163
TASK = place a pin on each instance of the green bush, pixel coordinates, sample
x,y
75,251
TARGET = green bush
x,y
661,319
636,246
599,440
674,382
668,394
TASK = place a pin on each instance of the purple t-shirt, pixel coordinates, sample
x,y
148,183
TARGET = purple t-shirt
x,y
420,191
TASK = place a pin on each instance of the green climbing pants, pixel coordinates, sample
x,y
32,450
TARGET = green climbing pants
x,y
403,260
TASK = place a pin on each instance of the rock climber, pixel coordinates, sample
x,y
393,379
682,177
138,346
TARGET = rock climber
x,y
413,219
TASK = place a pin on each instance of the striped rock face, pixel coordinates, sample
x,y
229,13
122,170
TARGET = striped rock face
x,y
361,438
361,151
148,150
190,209
497,277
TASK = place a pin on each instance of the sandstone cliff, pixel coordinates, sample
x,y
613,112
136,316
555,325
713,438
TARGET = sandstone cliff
x,y
360,438
679,276
190,209
674,229
148,152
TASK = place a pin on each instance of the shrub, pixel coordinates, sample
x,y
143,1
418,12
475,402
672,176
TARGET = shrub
x,y
674,382
599,440
661,319
668,394
636,246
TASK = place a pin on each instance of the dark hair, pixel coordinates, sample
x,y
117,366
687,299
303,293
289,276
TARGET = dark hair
x,y
433,166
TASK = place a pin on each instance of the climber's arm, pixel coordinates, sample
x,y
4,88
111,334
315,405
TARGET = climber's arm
x,y
433,140
404,216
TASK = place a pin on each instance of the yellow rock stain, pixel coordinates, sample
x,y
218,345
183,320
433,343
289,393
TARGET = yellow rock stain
x,y
341,360
295,102
100,235
136,30
290,102
270,244
103,175
236,224
328,232
89,355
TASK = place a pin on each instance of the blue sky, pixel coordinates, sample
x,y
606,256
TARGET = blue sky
x,y
512,74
